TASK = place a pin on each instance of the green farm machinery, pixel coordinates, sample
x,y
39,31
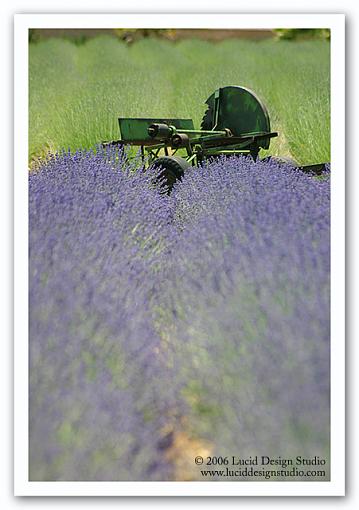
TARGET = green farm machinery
x,y
236,122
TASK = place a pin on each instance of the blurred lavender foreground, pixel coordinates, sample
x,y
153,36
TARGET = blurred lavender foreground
x,y
203,314
249,260
98,406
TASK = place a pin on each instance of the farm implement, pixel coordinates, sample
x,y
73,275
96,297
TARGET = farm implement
x,y
236,122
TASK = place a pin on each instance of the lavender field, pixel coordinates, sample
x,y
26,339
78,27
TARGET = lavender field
x,y
168,326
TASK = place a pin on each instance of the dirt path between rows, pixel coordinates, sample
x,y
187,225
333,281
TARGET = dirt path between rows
x,y
182,453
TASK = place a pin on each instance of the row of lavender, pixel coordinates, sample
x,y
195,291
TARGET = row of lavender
x,y
205,312
95,356
249,265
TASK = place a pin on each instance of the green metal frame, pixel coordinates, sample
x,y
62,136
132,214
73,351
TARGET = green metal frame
x,y
236,122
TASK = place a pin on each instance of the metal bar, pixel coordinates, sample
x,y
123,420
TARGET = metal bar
x,y
316,169
199,132
229,151
217,94
146,143
236,140
113,143
156,146
192,158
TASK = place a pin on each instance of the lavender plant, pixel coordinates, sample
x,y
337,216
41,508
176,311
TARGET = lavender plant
x,y
98,406
249,260
203,313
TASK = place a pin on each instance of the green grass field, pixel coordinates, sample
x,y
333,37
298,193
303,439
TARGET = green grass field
x,y
77,92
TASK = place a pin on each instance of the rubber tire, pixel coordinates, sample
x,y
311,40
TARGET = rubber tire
x,y
173,168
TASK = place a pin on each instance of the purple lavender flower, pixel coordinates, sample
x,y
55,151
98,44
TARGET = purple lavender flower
x,y
249,267
97,407
207,309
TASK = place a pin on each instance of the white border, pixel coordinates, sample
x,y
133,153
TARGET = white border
x,y
22,487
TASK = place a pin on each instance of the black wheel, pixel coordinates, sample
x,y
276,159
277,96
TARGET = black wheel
x,y
173,168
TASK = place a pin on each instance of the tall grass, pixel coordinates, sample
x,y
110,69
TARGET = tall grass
x,y
77,92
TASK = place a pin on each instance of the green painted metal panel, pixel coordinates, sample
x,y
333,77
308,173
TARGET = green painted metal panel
x,y
135,130
239,110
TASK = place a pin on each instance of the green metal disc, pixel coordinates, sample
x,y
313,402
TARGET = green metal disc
x,y
240,110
